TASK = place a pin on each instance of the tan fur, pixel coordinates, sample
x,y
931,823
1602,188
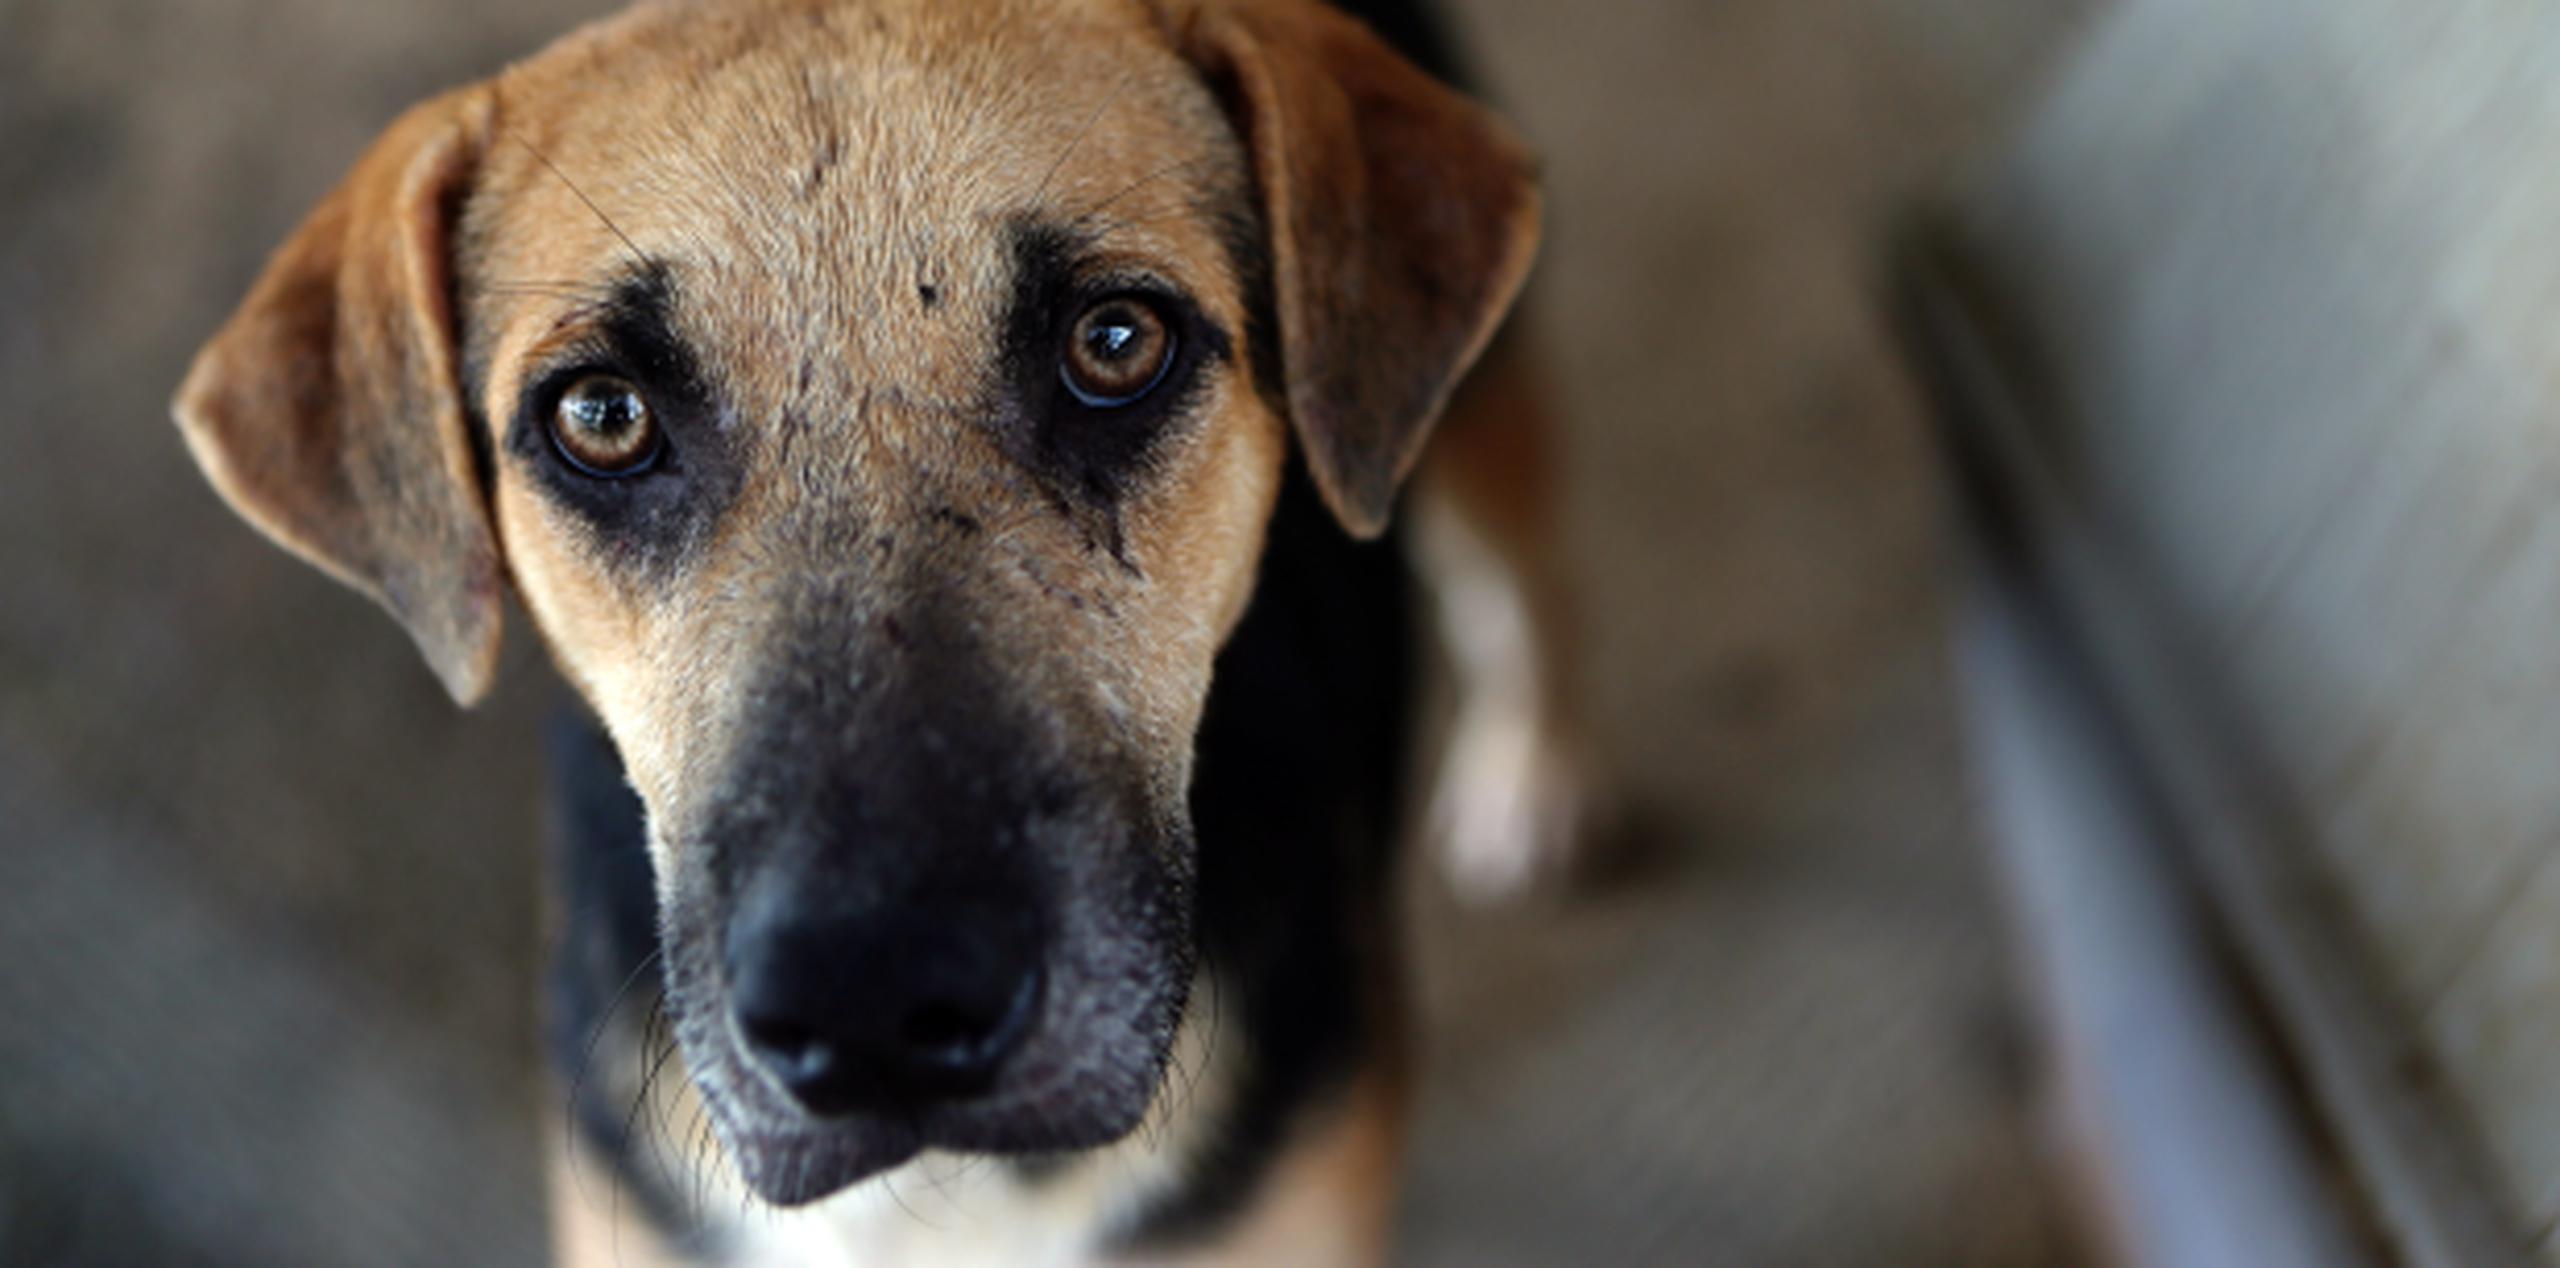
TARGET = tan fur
x,y
1363,158
657,666
1329,1201
327,410
809,169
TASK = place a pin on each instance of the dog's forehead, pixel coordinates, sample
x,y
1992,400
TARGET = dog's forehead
x,y
829,175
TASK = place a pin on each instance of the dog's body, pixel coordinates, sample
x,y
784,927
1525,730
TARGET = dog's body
x,y
926,437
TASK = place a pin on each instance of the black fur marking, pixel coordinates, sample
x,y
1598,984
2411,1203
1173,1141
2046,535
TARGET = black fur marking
x,y
1093,456
1296,805
1248,250
830,152
601,989
648,521
1414,29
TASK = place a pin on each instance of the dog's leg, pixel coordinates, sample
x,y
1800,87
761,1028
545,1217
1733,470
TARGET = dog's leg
x,y
1509,803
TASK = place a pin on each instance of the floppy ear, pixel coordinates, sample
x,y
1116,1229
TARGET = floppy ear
x,y
1402,218
328,412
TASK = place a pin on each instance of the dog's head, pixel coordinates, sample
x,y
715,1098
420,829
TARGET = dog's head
x,y
877,406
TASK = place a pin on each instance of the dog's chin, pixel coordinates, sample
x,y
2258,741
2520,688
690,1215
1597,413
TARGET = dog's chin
x,y
795,1167
797,1163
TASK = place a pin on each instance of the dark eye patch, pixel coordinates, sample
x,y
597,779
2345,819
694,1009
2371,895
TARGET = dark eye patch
x,y
649,518
1093,445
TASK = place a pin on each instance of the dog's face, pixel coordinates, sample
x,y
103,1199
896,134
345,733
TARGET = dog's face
x,y
877,406
930,471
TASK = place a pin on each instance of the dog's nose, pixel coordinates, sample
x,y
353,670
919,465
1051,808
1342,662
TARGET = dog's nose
x,y
853,1011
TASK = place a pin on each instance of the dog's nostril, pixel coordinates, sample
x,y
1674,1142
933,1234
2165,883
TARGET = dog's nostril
x,y
782,1038
938,1028
883,1014
801,1059
964,1039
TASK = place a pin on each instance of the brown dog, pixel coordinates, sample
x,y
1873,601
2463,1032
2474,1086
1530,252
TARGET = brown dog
x,y
931,438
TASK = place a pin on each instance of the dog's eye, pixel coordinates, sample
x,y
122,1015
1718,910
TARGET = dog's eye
x,y
603,427
1117,352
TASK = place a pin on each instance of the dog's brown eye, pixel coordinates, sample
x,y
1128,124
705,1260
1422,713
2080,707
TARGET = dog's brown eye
x,y
603,426
1117,352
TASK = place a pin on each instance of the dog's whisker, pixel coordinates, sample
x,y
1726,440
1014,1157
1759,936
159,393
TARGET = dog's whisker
x,y
1179,1081
1122,85
711,1159
652,1040
1134,186
749,1205
663,1106
575,291
971,1165
1217,1020
1105,226
639,258
889,1185
587,1056
622,1176
584,285
704,1155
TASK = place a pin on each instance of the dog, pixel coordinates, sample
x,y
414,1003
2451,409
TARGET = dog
x,y
946,448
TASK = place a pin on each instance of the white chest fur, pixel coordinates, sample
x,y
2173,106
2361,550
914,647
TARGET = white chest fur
x,y
950,1211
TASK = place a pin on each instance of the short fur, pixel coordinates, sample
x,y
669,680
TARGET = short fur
x,y
908,662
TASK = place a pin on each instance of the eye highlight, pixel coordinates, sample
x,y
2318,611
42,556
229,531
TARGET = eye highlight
x,y
603,426
1117,352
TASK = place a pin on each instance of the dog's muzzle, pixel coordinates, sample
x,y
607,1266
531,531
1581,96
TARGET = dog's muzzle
x,y
930,912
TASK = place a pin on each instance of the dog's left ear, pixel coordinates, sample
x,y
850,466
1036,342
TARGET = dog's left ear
x,y
1402,218
328,410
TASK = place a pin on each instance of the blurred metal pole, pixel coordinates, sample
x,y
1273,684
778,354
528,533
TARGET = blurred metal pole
x,y
2198,1157
2410,1154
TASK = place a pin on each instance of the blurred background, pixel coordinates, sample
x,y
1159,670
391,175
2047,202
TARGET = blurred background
x,y
2259,280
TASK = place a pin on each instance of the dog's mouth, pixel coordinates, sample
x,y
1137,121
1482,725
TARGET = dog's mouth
x,y
791,1158
1074,1091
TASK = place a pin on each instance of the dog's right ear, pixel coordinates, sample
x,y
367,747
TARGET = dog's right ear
x,y
1401,218
328,411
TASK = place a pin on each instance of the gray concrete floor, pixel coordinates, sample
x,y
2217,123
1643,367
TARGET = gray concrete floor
x,y
267,905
